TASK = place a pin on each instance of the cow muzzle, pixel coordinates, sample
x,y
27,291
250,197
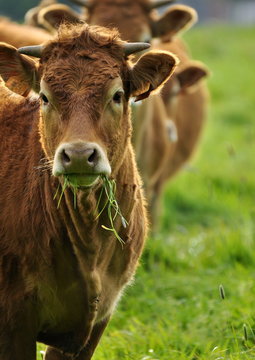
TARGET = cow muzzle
x,y
81,162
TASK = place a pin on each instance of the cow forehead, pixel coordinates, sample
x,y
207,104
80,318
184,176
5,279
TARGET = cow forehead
x,y
80,75
82,59
143,3
130,17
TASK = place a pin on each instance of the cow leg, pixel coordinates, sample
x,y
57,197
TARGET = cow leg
x,y
88,351
54,354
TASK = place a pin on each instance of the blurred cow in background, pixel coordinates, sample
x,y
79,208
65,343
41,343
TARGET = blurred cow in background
x,y
20,35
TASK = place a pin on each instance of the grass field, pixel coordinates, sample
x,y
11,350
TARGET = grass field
x,y
174,310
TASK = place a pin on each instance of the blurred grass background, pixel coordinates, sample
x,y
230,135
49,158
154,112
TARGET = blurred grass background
x,y
207,236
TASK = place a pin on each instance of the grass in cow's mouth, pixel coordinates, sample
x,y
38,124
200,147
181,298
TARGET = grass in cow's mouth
x,y
112,206
66,184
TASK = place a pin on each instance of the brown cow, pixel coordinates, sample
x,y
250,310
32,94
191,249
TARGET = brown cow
x,y
21,35
61,271
155,153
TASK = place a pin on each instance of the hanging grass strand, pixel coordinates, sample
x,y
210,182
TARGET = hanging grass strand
x,y
74,188
113,210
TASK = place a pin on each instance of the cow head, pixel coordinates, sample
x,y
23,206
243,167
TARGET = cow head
x,y
135,19
85,81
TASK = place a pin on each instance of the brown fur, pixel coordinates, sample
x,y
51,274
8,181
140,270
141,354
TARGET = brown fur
x,y
21,35
129,16
61,273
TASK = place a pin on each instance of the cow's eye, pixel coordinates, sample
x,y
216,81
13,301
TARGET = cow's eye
x,y
117,97
44,98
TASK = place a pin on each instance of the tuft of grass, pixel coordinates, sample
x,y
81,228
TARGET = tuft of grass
x,y
112,206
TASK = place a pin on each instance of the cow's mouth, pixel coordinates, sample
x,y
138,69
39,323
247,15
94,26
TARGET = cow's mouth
x,y
81,181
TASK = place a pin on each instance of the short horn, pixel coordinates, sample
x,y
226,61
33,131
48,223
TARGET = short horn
x,y
81,3
131,48
156,4
35,50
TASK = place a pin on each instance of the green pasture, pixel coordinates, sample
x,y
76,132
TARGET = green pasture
x,y
174,310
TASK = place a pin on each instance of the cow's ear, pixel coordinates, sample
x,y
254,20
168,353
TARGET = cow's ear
x,y
52,16
191,74
150,72
18,71
176,19
31,16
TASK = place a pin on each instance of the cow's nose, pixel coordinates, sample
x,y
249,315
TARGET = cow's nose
x,y
76,159
80,158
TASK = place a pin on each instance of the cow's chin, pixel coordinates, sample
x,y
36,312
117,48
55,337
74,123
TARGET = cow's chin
x,y
82,181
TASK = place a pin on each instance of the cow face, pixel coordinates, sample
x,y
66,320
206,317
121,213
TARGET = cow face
x,y
84,117
84,84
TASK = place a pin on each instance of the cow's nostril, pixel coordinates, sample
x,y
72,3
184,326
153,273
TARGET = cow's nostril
x,y
92,157
65,158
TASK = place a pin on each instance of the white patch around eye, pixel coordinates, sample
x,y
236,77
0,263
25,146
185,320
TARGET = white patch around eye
x,y
45,92
116,100
44,99
33,95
